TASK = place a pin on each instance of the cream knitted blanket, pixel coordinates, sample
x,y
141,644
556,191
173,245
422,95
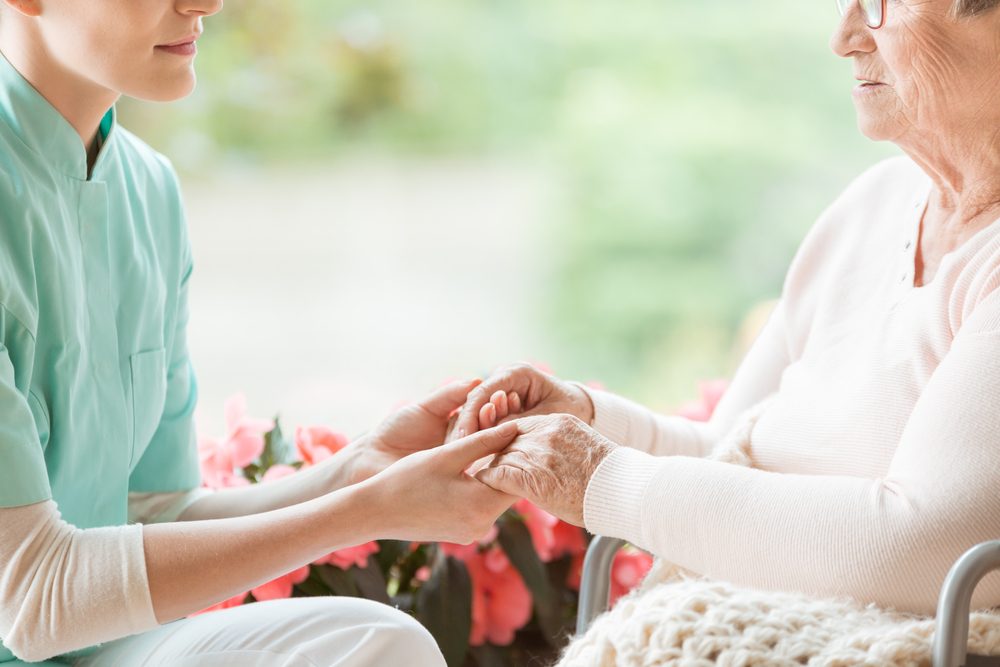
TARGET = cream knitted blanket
x,y
681,619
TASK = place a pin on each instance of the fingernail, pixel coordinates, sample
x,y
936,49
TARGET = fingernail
x,y
461,432
507,428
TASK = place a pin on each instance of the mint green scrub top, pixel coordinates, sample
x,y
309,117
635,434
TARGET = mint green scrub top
x,y
97,393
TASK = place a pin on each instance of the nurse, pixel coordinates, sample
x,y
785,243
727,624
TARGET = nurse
x,y
104,536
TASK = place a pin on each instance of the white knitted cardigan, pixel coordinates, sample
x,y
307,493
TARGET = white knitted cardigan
x,y
681,619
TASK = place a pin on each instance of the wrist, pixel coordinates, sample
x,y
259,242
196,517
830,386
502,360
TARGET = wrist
x,y
583,404
341,469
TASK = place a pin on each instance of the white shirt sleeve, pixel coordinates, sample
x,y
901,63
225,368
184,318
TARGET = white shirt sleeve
x,y
63,588
162,507
758,376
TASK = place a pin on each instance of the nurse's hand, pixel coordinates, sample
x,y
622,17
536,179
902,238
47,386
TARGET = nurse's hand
x,y
430,497
410,429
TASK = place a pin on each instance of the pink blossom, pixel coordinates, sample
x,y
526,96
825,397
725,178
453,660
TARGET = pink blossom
x,y
234,601
464,552
244,442
627,570
277,471
316,443
501,603
701,410
575,574
281,587
345,558
551,537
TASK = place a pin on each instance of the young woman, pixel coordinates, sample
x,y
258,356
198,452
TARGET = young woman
x,y
97,394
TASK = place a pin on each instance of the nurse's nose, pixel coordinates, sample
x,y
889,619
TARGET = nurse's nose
x,y
198,7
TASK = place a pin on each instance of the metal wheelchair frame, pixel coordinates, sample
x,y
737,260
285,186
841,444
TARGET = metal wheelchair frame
x,y
951,628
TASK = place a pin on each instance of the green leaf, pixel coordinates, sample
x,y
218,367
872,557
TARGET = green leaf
x,y
339,581
313,586
370,582
276,448
516,542
489,655
390,552
444,606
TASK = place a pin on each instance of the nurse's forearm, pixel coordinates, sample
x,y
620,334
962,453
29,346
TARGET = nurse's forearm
x,y
330,475
191,565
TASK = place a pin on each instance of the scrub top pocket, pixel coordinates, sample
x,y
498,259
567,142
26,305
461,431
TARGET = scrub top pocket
x,y
149,388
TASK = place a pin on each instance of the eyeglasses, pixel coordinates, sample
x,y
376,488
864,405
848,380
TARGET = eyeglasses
x,y
874,11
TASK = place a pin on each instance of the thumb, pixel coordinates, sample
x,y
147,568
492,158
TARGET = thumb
x,y
449,397
463,453
502,479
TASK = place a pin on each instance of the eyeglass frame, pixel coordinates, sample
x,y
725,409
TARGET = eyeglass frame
x,y
873,27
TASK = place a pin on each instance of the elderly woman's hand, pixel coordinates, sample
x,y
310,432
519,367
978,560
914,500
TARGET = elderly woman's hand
x,y
530,392
550,463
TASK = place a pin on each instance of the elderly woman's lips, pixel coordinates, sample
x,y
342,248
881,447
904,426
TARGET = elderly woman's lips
x,y
867,87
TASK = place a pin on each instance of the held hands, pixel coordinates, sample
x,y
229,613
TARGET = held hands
x,y
520,390
410,429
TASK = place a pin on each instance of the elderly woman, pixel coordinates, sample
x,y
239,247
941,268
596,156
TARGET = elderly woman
x,y
876,459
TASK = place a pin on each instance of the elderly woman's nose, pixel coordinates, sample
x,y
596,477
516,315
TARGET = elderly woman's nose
x,y
852,35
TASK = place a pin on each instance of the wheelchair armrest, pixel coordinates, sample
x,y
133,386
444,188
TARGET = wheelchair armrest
x,y
595,583
951,631
952,625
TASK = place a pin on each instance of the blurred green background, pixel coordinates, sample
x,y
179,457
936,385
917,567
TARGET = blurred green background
x,y
683,150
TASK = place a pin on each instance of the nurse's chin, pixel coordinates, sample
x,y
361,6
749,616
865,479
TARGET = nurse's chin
x,y
165,89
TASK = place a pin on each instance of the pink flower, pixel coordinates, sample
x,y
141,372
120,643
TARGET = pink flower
x,y
464,552
277,471
501,603
281,587
316,443
575,574
345,558
701,410
244,442
627,570
551,537
234,601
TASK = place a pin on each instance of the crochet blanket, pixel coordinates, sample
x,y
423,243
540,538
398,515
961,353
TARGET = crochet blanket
x,y
681,619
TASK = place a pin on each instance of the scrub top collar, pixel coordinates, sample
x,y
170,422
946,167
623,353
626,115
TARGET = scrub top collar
x,y
45,131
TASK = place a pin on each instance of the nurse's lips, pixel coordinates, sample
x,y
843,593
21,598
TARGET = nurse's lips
x,y
183,47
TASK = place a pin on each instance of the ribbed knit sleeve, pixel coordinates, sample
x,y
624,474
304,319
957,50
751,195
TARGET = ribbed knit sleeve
x,y
885,432
627,423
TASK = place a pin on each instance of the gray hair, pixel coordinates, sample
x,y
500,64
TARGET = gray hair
x,y
973,7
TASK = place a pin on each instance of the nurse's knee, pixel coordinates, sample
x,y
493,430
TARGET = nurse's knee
x,y
404,640
384,636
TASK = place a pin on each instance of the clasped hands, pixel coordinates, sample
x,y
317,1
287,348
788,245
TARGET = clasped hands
x,y
549,460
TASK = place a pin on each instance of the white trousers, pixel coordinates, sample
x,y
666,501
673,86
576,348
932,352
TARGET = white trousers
x,y
298,632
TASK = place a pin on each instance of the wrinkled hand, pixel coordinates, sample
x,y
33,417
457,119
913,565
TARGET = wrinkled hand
x,y
428,496
551,464
529,392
